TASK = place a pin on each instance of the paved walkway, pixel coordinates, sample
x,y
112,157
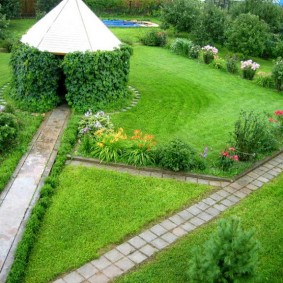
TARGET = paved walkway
x,y
17,200
140,248
2,101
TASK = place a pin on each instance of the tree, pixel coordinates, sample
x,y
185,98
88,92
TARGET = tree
x,y
181,14
3,24
247,34
229,255
210,26
10,8
43,6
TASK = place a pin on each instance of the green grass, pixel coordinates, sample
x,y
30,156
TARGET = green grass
x,y
93,209
187,99
5,70
263,211
19,26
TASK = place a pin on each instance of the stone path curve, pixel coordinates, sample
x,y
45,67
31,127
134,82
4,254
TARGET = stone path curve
x,y
141,247
21,193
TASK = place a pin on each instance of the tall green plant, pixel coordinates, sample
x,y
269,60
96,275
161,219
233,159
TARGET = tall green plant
x,y
35,77
277,74
3,23
231,254
94,79
247,34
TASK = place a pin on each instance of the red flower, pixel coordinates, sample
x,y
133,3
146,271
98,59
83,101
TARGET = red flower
x,y
278,112
231,148
236,158
225,153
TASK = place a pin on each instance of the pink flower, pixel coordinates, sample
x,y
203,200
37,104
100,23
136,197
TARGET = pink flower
x,y
231,148
236,158
278,112
225,153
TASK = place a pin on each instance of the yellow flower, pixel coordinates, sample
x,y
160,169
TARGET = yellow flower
x,y
100,144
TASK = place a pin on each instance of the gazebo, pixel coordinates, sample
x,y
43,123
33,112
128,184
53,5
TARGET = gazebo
x,y
70,48
70,26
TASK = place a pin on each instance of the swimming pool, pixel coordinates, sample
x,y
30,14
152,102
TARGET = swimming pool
x,y
121,23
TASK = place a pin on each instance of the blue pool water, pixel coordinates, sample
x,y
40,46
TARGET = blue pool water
x,y
120,23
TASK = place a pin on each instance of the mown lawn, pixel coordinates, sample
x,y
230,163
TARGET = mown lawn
x,y
5,69
187,99
261,211
93,209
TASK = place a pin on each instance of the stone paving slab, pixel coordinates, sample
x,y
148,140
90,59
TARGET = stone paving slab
x,y
20,194
143,246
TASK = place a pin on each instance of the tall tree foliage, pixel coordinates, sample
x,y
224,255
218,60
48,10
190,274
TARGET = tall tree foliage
x,y
11,8
3,23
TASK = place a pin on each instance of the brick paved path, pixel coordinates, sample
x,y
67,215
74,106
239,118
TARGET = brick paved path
x,y
17,200
141,247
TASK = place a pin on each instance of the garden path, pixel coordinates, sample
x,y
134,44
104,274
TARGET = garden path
x,y
141,247
19,196
2,101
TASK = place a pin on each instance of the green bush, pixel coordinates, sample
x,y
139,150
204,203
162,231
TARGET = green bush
x,y
9,42
230,255
210,25
3,23
265,80
277,74
181,46
247,34
227,159
155,38
181,14
8,129
176,156
252,135
11,8
43,6
194,52
94,79
35,77
232,65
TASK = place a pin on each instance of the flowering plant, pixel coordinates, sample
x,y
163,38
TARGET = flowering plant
x,y
93,122
278,119
208,53
227,158
140,149
249,69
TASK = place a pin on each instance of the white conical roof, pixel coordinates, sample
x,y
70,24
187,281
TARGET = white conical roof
x,y
71,26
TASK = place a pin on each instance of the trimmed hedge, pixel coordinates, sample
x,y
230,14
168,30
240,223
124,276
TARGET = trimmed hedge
x,y
32,229
35,78
94,79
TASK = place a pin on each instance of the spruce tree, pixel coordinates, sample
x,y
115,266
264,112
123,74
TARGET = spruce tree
x,y
229,255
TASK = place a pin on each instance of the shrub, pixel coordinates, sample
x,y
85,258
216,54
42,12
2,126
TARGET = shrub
x,y
247,34
43,6
9,42
93,122
11,8
278,121
219,63
249,69
194,51
8,129
35,77
140,150
277,74
181,46
252,135
208,53
210,25
3,23
227,159
176,156
231,254
155,38
265,80
231,65
94,79
181,14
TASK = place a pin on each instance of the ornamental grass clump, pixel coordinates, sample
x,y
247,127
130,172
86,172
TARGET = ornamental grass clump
x,y
249,69
230,255
181,46
209,53
231,65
